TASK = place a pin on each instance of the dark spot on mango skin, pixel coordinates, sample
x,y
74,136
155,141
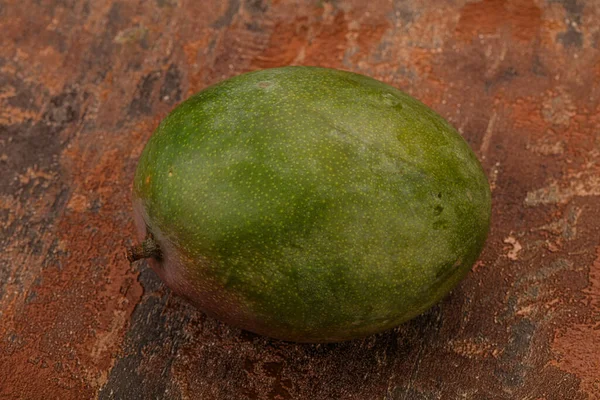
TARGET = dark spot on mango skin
x,y
440,224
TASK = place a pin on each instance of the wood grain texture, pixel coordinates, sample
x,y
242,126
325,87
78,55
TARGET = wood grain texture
x,y
83,84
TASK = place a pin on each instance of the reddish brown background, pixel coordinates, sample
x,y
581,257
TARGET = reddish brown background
x,y
82,84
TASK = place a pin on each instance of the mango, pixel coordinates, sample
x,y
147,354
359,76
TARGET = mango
x,y
309,204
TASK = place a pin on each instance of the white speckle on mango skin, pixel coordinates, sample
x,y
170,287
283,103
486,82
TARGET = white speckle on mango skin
x,y
314,204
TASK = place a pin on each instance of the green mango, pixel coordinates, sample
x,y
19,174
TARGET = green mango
x,y
309,204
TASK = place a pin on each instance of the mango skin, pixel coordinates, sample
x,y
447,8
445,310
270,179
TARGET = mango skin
x,y
310,204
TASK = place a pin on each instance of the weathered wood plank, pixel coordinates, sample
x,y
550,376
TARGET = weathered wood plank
x,y
83,83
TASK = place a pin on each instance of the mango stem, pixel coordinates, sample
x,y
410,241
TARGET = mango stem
x,y
148,248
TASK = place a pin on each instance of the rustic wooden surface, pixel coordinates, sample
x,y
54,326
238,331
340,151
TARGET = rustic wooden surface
x,y
83,83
